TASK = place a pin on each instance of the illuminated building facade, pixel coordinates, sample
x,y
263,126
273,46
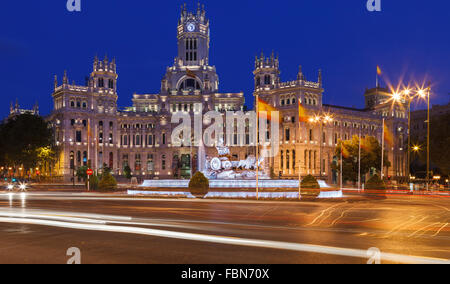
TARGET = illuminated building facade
x,y
90,127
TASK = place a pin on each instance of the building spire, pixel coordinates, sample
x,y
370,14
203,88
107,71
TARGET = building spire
x,y
300,76
320,78
65,78
36,108
55,82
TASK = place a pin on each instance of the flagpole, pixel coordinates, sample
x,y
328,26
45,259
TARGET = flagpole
x,y
257,147
378,76
382,153
299,159
88,139
96,148
342,160
89,151
359,160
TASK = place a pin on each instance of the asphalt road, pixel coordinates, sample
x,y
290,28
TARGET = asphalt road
x,y
40,228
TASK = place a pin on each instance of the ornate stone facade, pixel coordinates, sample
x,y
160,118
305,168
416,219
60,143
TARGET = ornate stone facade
x,y
89,126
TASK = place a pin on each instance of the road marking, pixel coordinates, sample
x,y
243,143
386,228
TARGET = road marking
x,y
357,253
404,224
438,232
321,214
423,229
340,217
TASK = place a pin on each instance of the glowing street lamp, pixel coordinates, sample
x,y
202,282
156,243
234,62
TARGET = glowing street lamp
x,y
409,95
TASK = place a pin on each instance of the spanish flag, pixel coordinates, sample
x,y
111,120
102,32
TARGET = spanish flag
x,y
302,117
378,70
191,74
264,106
388,136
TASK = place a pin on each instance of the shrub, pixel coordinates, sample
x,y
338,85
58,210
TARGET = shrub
x,y
93,182
375,183
127,172
81,172
375,188
199,185
107,183
310,188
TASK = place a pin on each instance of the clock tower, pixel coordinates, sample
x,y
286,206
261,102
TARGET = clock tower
x,y
193,38
191,76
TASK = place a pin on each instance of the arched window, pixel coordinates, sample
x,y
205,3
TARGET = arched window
x,y
305,157
267,80
138,140
258,81
310,160
111,84
287,159
287,135
293,160
72,104
101,83
189,85
72,160
138,162
281,160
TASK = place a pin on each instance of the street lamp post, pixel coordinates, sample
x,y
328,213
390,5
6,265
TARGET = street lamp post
x,y
409,95
428,136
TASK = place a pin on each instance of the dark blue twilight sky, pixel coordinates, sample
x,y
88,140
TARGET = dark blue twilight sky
x,y
408,38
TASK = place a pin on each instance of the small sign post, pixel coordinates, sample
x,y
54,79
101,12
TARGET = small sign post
x,y
89,173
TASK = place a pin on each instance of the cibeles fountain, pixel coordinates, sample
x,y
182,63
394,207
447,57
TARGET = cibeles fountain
x,y
223,172
222,167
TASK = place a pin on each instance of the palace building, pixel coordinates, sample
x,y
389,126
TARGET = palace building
x,y
91,129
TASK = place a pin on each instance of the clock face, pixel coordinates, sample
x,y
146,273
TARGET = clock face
x,y
191,27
